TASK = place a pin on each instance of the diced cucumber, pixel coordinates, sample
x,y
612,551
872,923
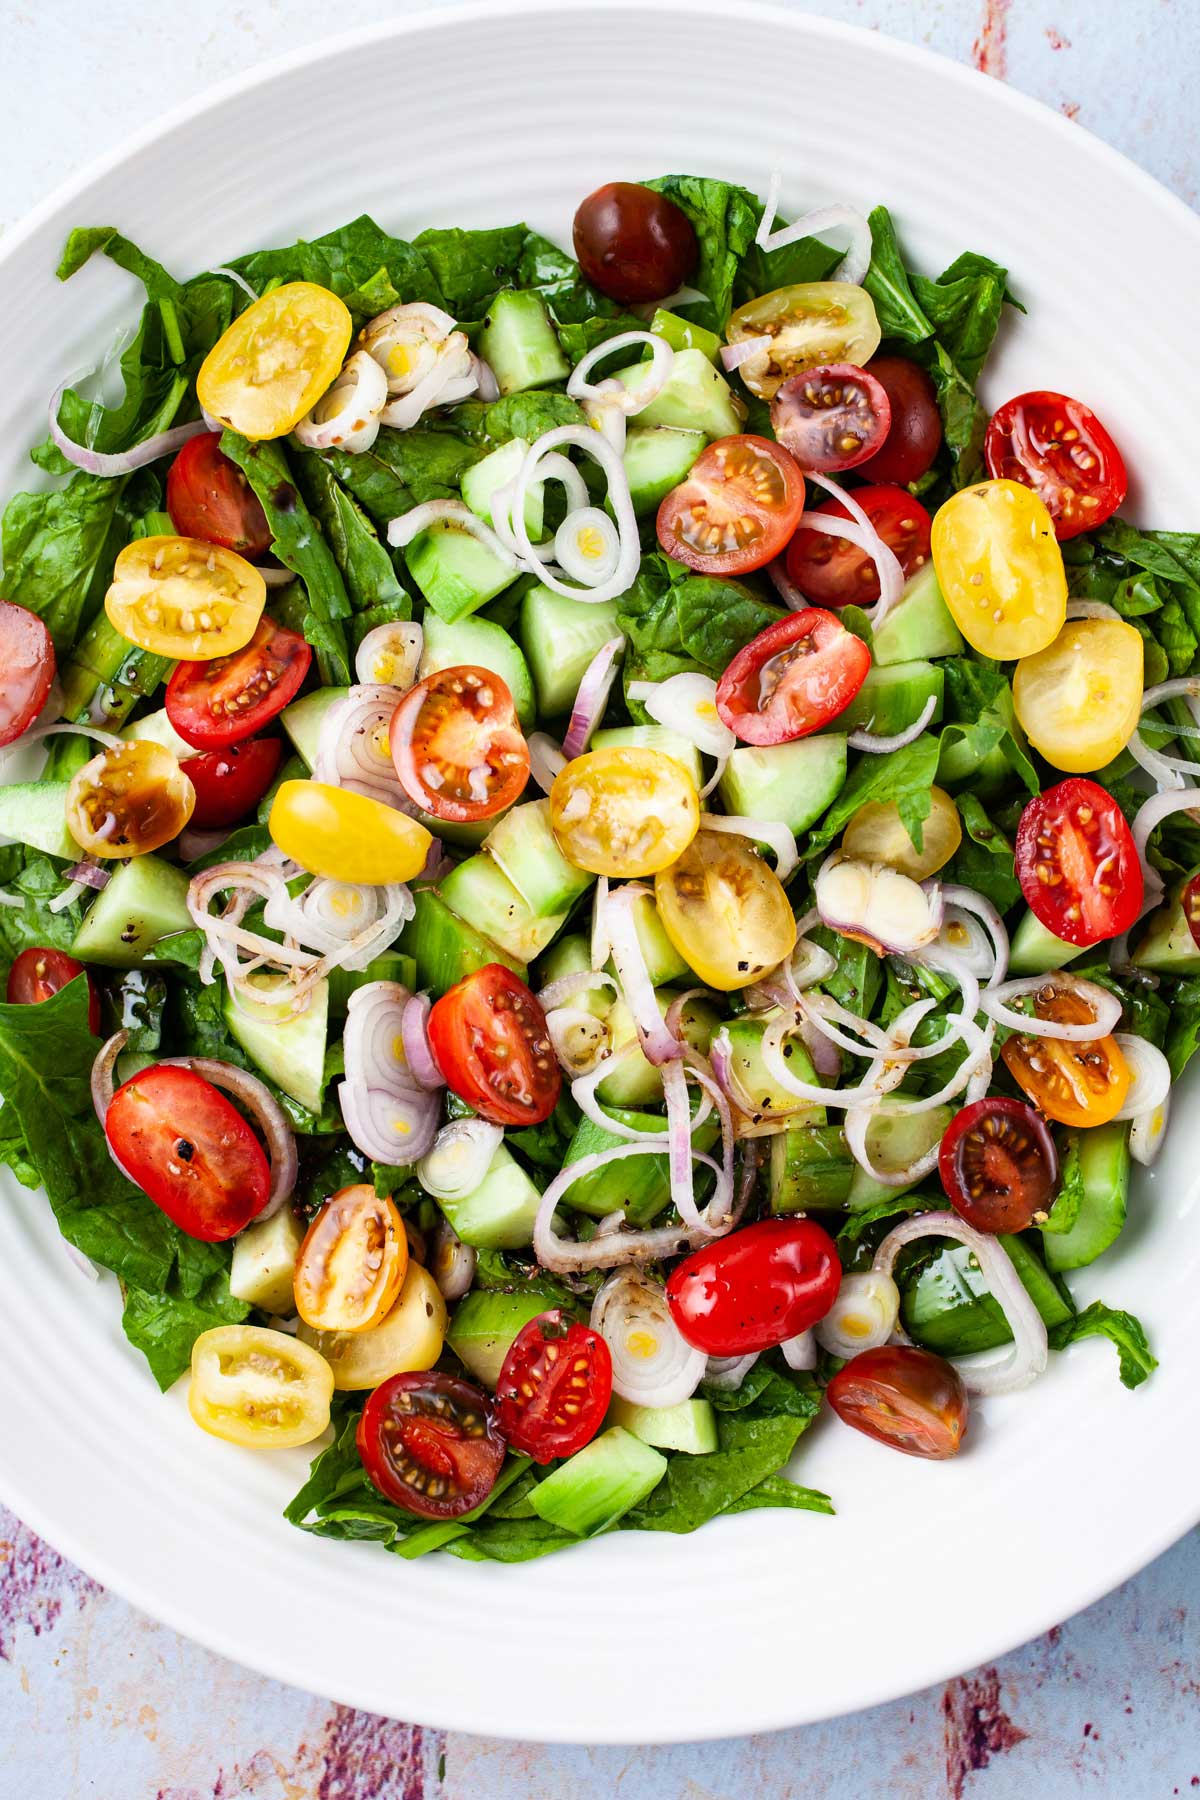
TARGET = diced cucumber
x,y
444,947
486,645
1035,950
1104,1166
520,344
572,955
696,397
640,1186
1167,948
652,737
560,638
156,728
637,1082
390,965
894,1140
468,834
264,1262
948,1307
480,892
302,720
657,458
794,783
810,1165
290,1052
690,1425
485,1323
599,1484
35,813
498,470
145,901
893,698
919,625
499,1214
524,848
757,1091
682,334
108,676
455,572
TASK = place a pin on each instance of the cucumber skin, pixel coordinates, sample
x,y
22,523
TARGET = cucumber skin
x,y
1104,1165
940,1317
445,948
599,1484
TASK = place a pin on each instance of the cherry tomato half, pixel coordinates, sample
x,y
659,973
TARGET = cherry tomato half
x,y
1077,863
725,910
736,510
755,1289
998,1165
1189,900
208,497
190,1150
554,1387
27,666
276,360
625,812
130,799
1072,1083
832,417
178,596
457,746
908,1399
831,571
1058,447
915,436
38,975
212,704
1000,568
803,327
491,1043
261,1388
430,1443
230,783
352,1263
792,678
633,243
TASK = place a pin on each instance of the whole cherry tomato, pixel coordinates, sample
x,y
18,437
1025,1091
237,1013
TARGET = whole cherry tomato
x,y
915,436
756,1288
230,783
633,243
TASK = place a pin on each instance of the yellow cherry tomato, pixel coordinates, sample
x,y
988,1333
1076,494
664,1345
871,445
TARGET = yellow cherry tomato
x,y
352,1262
179,596
349,837
1081,698
128,800
725,911
257,1387
877,833
276,360
1000,568
815,322
623,812
409,1337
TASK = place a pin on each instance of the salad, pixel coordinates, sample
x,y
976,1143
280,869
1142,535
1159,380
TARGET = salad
x,y
600,863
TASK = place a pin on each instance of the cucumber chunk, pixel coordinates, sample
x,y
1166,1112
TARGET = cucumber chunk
x,y
572,955
524,847
894,1140
599,1484
1104,1166
302,720
1035,950
652,737
35,813
757,1092
1168,947
918,626
480,892
389,965
499,1214
696,397
445,948
455,572
948,1307
893,698
639,1186
145,901
663,961
794,783
682,334
637,1082
484,1325
486,645
810,1165
690,1425
264,1262
290,1052
560,637
156,728
520,343
657,458
497,470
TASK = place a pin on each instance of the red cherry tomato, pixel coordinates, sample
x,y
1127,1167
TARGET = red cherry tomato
x,y
1191,908
832,571
554,1388
180,1139
27,668
1077,863
755,1289
634,244
214,704
457,746
908,1399
208,497
915,437
230,783
832,417
38,975
1058,447
792,678
736,510
431,1444
998,1165
491,1043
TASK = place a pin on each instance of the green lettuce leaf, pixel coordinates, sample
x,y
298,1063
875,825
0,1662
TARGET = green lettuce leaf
x,y
905,778
676,621
1137,1361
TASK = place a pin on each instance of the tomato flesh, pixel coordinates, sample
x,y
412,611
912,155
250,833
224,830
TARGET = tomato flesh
x,y
633,243
831,417
915,436
27,666
831,571
491,1043
998,1165
209,497
906,1398
1074,1083
181,1141
792,678
1077,863
755,1289
214,704
431,1444
230,783
1058,447
736,510
554,1387
38,975
458,749
1191,909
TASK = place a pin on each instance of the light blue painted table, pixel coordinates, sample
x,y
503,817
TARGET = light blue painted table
x,y
97,1701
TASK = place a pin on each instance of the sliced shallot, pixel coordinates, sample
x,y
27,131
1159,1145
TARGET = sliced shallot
x,y
652,1363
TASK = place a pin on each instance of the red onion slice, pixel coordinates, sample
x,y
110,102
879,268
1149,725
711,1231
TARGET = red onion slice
x,y
800,1352
346,417
863,1316
734,355
592,697
880,1078
858,1124
389,656
613,393
859,530
566,987
785,587
417,1048
1150,816
635,1248
658,1044
882,746
456,513
121,462
970,901
1105,1007
728,1372
453,1263
391,1118
652,1362
1147,1131
877,904
102,1073
533,470
459,1158
545,759
258,1100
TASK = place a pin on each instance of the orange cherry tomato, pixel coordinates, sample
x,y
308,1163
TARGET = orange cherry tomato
x,y
1072,1083
352,1262
457,747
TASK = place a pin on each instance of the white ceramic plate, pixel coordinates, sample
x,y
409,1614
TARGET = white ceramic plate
x,y
770,1619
